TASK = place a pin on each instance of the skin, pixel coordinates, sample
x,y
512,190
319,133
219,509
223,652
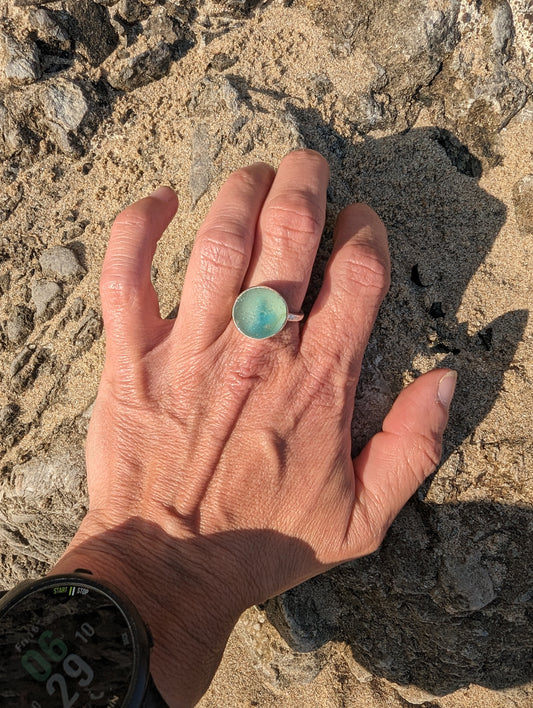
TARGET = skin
x,y
219,467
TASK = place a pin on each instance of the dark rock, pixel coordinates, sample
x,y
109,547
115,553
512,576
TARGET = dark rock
x,y
61,262
89,330
20,324
221,61
160,27
92,30
20,61
48,28
46,296
239,8
107,3
9,202
132,10
27,3
143,68
5,282
8,415
523,203
66,111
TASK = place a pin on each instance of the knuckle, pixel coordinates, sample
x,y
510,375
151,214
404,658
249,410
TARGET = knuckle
x,y
294,217
427,451
222,247
363,266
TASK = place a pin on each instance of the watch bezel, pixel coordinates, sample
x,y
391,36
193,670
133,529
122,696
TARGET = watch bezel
x,y
142,640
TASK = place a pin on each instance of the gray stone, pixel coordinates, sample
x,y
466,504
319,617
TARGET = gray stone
x,y
20,324
20,61
28,3
142,69
48,28
523,203
88,331
202,168
11,140
66,110
92,30
61,262
161,27
46,296
132,10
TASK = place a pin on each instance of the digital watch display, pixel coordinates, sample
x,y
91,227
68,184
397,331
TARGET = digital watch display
x,y
70,642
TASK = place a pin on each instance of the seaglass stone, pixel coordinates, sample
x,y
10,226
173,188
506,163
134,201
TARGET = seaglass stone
x,y
260,312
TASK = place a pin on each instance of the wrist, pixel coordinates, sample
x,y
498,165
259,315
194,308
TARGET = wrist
x,y
188,614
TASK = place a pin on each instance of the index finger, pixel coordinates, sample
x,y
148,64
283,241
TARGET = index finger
x,y
355,282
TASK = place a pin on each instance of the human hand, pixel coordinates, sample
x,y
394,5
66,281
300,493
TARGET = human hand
x,y
236,452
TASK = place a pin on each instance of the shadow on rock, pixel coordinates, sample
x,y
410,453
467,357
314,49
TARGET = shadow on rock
x,y
448,599
416,615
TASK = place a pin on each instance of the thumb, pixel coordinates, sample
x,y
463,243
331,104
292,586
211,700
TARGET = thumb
x,y
394,463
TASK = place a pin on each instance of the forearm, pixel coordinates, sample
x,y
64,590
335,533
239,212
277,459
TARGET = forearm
x,y
188,618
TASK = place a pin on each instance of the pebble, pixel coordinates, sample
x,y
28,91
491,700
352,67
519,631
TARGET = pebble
x,y
523,203
132,10
48,28
92,30
21,61
46,296
89,330
61,262
142,69
20,324
66,109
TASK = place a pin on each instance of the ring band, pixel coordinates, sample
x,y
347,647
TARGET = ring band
x,y
261,312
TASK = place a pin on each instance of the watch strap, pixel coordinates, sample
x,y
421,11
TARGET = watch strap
x,y
152,697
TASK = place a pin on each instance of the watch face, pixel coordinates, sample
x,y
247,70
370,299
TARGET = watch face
x,y
65,644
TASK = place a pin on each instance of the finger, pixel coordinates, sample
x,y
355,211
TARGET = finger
x,y
290,227
129,302
355,282
221,255
396,461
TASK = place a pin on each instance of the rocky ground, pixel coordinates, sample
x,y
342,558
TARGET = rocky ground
x,y
424,110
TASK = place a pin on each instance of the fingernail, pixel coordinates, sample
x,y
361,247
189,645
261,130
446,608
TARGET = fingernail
x,y
446,388
163,194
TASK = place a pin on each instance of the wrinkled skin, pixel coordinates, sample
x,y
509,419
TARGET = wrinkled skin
x,y
219,467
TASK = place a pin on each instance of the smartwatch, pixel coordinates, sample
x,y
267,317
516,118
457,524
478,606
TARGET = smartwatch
x,y
69,641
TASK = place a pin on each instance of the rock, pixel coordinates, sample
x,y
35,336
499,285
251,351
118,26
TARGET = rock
x,y
61,262
202,168
161,27
20,324
48,28
523,203
92,30
66,111
11,140
88,331
239,8
142,69
19,61
132,10
107,3
46,296
27,3
8,415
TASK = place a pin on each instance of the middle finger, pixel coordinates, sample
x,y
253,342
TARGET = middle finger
x,y
290,227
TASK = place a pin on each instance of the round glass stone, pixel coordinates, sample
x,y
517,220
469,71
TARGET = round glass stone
x,y
260,312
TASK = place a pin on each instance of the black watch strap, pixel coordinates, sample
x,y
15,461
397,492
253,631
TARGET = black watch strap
x,y
152,697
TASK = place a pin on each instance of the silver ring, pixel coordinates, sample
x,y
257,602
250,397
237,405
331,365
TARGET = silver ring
x,y
261,312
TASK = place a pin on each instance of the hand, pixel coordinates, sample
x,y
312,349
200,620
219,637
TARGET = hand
x,y
219,467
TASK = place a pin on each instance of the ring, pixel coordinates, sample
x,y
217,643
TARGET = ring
x,y
261,312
